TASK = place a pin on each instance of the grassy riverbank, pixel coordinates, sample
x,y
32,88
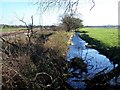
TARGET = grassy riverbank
x,y
36,64
105,41
108,36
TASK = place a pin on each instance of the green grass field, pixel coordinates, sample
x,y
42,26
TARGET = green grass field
x,y
10,29
108,36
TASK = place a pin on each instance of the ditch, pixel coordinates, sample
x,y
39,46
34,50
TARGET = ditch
x,y
89,68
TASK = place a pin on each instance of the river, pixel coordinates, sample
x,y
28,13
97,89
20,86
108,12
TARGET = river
x,y
95,61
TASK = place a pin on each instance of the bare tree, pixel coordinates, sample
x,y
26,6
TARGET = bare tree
x,y
29,28
68,5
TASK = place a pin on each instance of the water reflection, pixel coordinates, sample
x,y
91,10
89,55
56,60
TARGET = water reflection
x,y
95,61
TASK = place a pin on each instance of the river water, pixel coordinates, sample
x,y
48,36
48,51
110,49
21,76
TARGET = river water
x,y
95,62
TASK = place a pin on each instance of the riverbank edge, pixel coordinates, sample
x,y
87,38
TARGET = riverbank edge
x,y
53,51
113,53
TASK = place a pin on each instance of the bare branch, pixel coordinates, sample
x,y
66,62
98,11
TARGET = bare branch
x,y
17,73
93,5
29,28
67,4
24,22
42,74
9,42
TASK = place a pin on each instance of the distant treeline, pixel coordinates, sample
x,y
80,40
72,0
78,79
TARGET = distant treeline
x,y
4,25
106,26
54,26
23,26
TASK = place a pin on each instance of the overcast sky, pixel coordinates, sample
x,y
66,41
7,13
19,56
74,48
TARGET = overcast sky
x,y
105,12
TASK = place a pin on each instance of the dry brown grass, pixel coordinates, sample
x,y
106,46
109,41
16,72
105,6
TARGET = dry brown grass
x,y
34,69
59,41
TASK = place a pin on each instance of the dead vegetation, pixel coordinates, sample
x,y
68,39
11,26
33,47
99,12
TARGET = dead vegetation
x,y
39,66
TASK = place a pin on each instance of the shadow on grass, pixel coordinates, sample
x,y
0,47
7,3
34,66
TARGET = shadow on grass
x,y
81,31
113,53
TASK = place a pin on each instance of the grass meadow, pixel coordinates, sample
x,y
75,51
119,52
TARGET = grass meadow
x,y
10,29
105,40
108,36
